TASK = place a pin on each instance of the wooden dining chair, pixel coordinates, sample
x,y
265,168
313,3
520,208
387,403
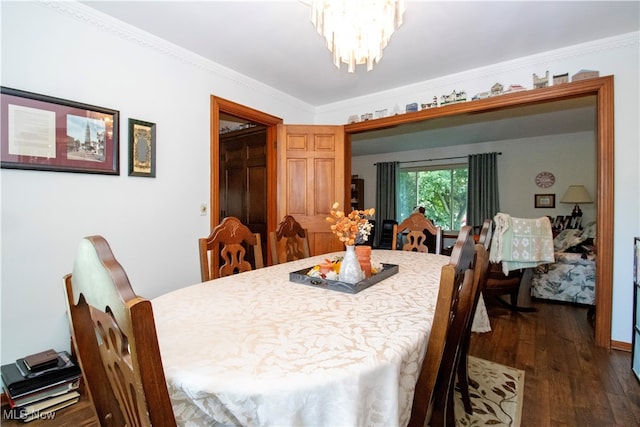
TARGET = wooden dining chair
x,y
289,242
386,234
227,243
432,400
480,268
419,230
498,284
114,338
486,232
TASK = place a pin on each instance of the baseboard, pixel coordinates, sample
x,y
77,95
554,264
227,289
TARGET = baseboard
x,y
621,345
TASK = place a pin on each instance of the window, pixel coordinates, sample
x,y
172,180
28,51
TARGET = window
x,y
441,190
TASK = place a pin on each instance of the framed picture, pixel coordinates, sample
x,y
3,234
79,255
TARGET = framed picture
x,y
44,133
545,200
142,148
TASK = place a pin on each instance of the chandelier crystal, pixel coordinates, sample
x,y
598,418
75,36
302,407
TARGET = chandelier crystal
x,y
356,31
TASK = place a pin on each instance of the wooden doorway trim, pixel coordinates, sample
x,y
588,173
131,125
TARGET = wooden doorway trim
x,y
221,105
602,88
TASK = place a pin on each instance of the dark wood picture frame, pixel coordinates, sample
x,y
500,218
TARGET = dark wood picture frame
x,y
545,200
142,148
41,132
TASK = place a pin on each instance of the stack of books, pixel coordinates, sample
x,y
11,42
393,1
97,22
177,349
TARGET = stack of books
x,y
38,385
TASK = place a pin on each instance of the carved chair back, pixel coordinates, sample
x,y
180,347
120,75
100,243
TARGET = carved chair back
x,y
114,337
289,242
223,252
417,226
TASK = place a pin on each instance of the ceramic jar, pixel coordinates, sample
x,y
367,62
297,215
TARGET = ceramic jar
x,y
363,252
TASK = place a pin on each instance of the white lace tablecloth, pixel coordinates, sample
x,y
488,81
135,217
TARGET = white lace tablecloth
x,y
254,349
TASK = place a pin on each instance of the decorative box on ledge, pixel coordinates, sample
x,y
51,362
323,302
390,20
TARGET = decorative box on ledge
x,y
300,276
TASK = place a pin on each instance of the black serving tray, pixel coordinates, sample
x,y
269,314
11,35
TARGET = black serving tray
x,y
300,276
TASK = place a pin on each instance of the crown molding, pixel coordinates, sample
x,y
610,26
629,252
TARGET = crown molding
x,y
134,35
552,56
537,61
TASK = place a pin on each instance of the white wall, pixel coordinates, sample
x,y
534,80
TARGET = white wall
x,y
520,162
65,50
68,51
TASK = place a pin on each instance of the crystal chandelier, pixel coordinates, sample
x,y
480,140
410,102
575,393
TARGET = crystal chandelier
x,y
357,31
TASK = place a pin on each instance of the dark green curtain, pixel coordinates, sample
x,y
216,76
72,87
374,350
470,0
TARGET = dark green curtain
x,y
386,181
482,194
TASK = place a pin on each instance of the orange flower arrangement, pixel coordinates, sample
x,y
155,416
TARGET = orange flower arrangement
x,y
348,227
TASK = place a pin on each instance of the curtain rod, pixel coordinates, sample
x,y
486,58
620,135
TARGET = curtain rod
x,y
440,158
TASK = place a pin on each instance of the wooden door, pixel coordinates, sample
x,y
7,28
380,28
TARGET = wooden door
x,y
243,179
311,177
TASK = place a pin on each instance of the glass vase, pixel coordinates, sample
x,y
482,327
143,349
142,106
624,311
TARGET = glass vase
x,y
350,271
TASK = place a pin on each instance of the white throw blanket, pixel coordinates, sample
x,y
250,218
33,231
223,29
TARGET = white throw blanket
x,y
521,242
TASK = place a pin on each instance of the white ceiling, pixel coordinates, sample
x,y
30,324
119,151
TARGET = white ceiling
x,y
275,43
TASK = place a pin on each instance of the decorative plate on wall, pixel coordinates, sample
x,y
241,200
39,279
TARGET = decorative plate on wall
x,y
545,179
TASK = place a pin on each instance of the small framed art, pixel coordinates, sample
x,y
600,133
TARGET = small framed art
x,y
40,132
545,200
142,148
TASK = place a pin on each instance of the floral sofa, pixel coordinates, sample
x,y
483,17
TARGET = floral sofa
x,y
572,278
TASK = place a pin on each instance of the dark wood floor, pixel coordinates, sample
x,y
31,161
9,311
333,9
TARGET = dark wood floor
x,y
568,381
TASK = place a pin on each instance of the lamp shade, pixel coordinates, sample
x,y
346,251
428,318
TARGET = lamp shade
x,y
576,194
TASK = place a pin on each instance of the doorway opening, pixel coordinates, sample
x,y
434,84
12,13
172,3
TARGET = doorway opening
x,y
602,89
243,158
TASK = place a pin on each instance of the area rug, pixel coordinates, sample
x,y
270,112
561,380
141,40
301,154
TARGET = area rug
x,y
496,395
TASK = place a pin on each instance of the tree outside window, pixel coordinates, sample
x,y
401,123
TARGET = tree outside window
x,y
441,190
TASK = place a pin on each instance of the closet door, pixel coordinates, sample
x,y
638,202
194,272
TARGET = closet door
x,y
243,179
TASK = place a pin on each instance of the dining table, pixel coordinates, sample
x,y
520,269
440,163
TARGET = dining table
x,y
257,349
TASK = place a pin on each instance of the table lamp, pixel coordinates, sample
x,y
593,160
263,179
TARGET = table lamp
x,y
576,194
